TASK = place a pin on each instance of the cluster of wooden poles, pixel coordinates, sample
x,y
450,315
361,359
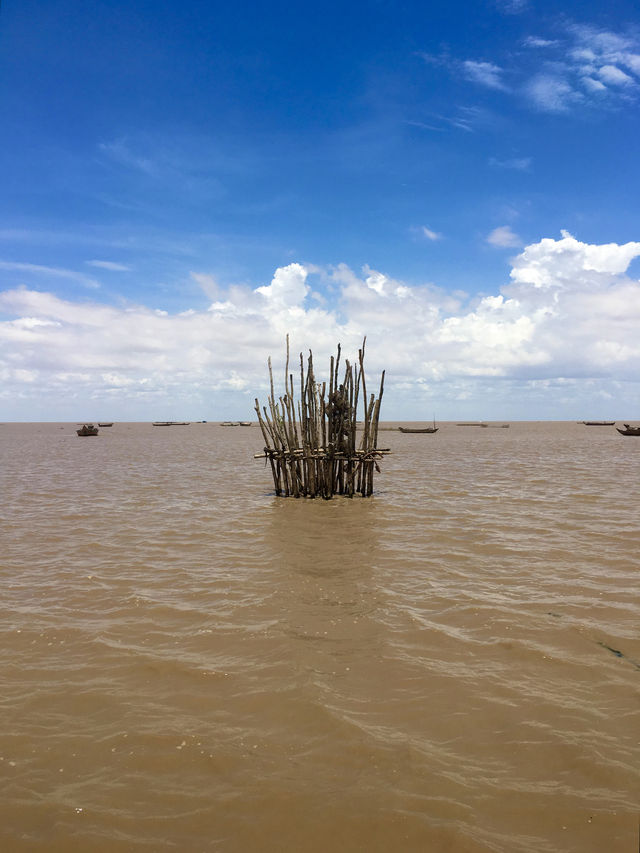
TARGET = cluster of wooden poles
x,y
317,447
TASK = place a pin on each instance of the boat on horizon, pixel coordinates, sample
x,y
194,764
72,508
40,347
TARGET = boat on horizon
x,y
171,423
87,429
105,425
427,430
629,430
598,423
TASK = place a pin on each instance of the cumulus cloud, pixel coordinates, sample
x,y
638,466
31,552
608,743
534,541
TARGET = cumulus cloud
x,y
569,313
570,264
288,289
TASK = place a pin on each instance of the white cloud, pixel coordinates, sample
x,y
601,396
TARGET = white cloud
x,y
503,237
485,73
54,272
520,164
570,264
534,41
431,235
615,76
512,7
120,152
583,67
208,283
550,93
288,288
594,85
568,312
109,265
632,61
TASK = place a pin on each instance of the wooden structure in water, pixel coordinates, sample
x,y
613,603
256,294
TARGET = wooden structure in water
x,y
317,447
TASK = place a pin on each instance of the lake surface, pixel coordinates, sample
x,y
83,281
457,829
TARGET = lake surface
x,y
190,663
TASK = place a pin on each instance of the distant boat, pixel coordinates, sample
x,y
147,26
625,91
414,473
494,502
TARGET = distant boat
x,y
629,430
171,423
425,429
244,423
473,423
228,423
598,423
105,425
87,429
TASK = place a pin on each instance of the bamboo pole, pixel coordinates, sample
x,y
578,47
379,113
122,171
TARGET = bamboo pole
x,y
311,444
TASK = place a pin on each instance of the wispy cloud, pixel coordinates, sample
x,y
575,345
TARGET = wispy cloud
x,y
109,265
464,118
120,152
615,76
485,73
208,283
54,272
431,235
586,63
519,164
580,67
503,237
550,93
534,41
512,7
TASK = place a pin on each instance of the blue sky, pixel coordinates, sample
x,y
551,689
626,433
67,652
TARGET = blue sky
x,y
183,184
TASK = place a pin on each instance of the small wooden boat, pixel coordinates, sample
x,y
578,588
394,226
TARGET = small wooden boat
x,y
473,423
426,429
598,423
105,425
171,423
629,430
87,429
244,423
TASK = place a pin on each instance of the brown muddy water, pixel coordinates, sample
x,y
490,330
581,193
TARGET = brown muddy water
x,y
189,663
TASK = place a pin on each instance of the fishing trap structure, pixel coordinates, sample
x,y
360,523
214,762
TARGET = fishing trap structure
x,y
317,447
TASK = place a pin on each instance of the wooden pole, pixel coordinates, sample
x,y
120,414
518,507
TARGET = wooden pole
x,y
312,444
